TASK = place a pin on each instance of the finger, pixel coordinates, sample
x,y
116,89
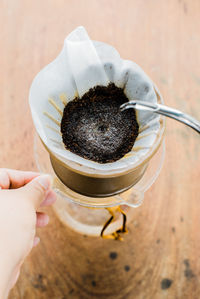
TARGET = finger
x,y
10,178
4,179
35,191
49,199
42,219
36,241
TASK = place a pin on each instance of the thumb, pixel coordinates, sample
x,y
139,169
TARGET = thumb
x,y
36,189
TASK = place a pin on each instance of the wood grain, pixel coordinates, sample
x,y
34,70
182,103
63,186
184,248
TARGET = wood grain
x,y
160,257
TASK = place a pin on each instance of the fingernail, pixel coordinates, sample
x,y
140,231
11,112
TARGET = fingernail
x,y
49,199
45,181
46,220
36,241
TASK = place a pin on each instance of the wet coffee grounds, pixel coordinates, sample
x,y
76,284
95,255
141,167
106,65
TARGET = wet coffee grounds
x,y
94,128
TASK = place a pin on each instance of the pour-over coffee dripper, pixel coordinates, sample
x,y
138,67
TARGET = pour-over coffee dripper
x,y
82,182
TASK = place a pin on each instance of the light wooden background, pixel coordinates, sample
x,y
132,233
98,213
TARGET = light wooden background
x,y
163,244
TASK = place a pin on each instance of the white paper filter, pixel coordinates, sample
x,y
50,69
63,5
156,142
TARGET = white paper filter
x,y
81,65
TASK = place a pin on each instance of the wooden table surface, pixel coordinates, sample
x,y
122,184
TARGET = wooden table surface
x,y
160,257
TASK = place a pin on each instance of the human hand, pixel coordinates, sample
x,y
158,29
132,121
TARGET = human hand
x,y
21,194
